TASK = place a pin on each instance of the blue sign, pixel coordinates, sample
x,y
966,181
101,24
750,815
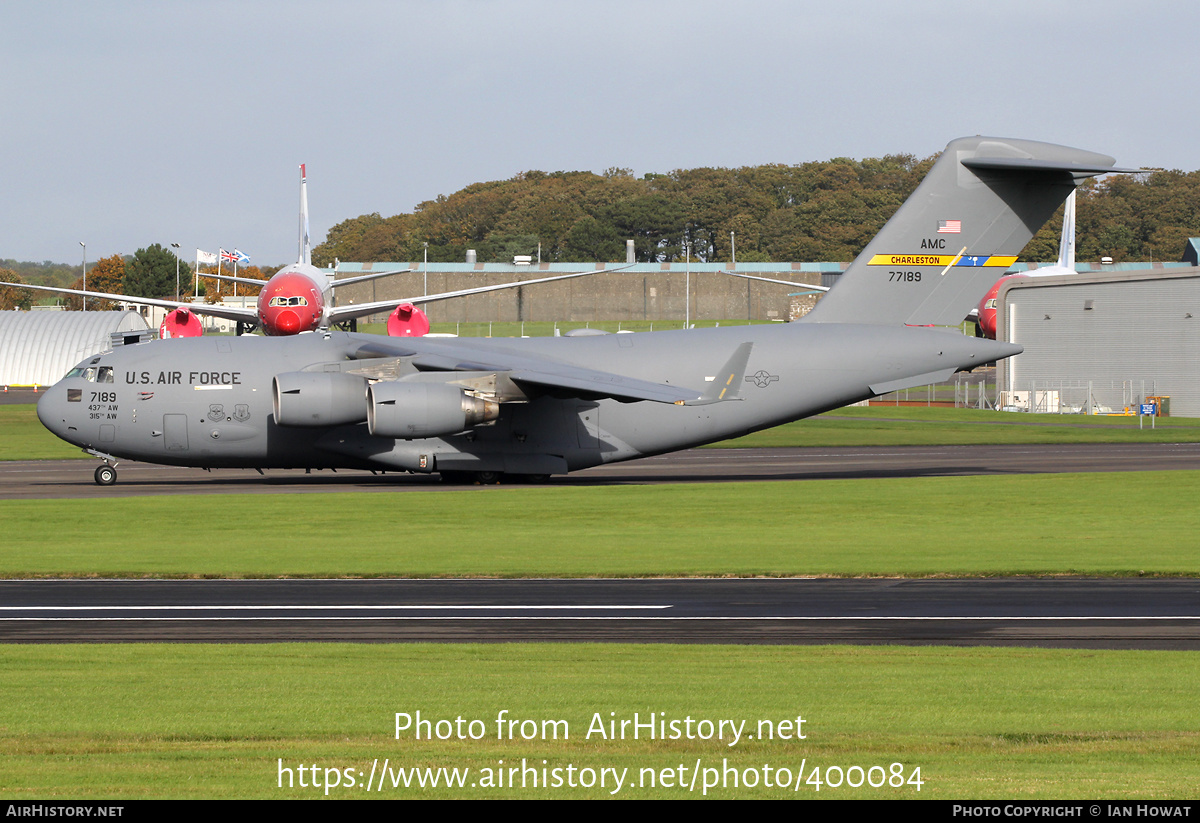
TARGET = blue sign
x,y
1148,408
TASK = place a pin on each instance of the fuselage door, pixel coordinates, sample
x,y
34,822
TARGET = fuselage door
x,y
175,432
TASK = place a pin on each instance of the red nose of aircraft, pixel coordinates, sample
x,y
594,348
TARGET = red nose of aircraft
x,y
290,303
987,307
286,322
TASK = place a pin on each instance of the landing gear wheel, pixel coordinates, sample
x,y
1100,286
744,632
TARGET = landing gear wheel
x,y
487,478
105,475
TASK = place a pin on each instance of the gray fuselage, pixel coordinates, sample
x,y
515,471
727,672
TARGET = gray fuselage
x,y
207,402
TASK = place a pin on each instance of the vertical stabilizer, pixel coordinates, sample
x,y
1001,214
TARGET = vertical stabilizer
x,y
1066,246
958,232
305,253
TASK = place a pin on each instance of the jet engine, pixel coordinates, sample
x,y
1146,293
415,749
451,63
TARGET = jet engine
x,y
406,320
304,398
180,323
413,410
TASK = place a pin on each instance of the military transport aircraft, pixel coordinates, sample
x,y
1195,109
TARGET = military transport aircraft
x,y
495,409
299,297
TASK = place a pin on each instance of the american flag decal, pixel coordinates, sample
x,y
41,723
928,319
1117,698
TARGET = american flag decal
x,y
949,227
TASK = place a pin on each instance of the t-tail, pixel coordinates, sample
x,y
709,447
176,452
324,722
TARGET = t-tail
x,y
305,252
965,224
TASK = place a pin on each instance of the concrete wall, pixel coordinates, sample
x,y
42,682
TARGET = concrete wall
x,y
647,292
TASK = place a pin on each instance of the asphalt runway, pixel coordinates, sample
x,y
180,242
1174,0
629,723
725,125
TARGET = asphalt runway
x,y
1062,613
73,478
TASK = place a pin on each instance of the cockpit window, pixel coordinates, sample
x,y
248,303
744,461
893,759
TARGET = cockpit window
x,y
93,374
288,301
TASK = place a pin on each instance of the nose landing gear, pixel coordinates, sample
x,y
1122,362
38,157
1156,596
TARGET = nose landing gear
x,y
106,473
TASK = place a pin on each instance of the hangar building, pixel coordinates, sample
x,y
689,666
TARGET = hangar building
x,y
1102,341
38,347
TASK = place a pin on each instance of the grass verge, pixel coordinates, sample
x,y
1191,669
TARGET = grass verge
x,y
1095,524
132,721
932,426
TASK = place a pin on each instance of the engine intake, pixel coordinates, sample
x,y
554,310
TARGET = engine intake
x,y
414,410
303,398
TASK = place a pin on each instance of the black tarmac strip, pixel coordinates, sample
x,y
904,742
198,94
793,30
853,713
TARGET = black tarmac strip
x,y
73,478
1060,613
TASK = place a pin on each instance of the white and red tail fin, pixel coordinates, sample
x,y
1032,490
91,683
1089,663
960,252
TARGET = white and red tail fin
x,y
305,252
1066,246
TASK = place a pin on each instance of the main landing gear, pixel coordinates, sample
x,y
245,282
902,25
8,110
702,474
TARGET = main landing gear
x,y
490,478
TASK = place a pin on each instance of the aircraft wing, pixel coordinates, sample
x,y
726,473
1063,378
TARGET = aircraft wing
x,y
541,375
806,288
211,310
346,281
249,281
339,314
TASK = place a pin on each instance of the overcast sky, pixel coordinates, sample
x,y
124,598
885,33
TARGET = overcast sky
x,y
131,122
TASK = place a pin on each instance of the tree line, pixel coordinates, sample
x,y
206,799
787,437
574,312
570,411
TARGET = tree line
x,y
149,272
820,211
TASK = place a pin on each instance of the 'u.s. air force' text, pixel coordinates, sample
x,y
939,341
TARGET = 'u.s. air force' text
x,y
175,378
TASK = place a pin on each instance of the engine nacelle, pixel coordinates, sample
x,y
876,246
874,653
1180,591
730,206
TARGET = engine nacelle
x,y
406,320
412,410
180,323
302,398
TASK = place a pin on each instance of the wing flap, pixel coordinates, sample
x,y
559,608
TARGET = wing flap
x,y
589,384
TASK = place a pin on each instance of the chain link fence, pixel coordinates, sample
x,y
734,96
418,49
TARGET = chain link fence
x,y
978,390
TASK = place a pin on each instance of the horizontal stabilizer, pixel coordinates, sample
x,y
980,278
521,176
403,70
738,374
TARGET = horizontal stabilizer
x,y
1029,164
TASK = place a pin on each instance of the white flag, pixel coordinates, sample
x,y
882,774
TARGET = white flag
x,y
205,258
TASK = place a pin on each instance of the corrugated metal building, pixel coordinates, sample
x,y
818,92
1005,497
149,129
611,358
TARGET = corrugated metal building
x,y
38,347
1104,339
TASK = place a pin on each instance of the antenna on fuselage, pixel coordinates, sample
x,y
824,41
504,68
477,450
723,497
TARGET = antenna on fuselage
x,y
305,253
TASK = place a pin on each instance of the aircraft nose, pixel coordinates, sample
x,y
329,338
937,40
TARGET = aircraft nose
x,y
50,411
287,322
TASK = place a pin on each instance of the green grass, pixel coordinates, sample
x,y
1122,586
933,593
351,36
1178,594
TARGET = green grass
x,y
932,426
1117,523
22,437
130,721
200,721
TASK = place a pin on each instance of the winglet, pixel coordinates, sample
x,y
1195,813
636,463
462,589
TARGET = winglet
x,y
728,381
